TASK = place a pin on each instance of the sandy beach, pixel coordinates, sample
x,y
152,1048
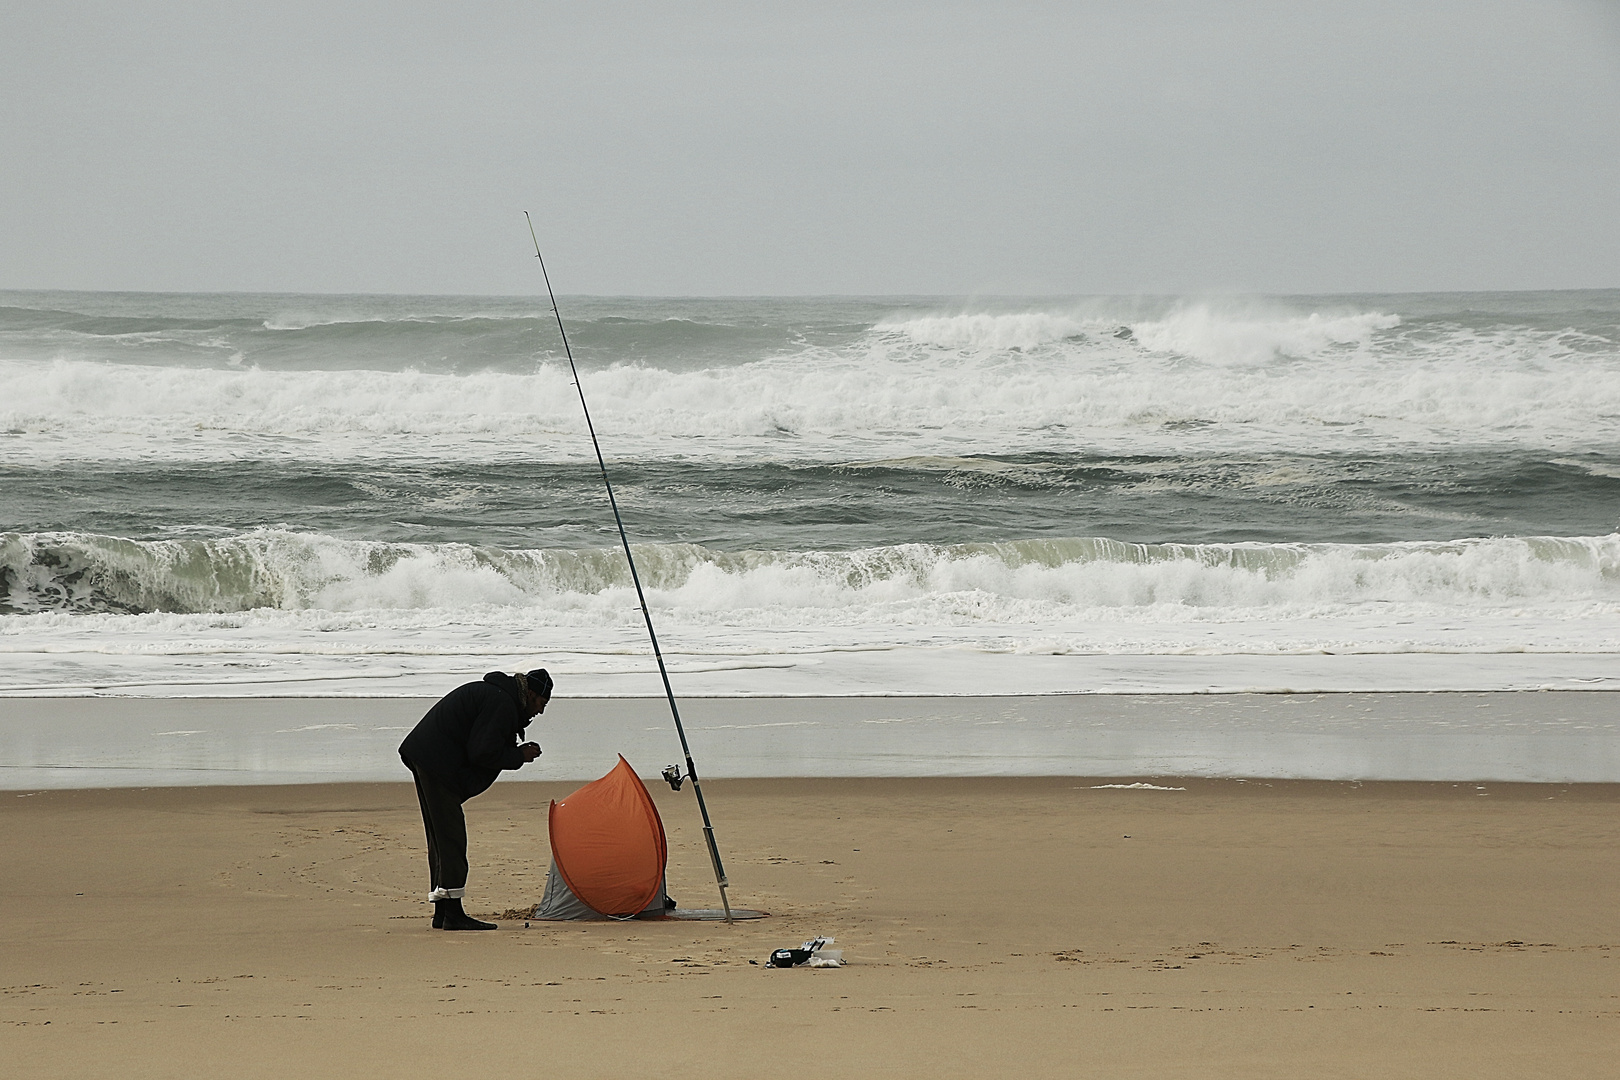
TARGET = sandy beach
x,y
1037,926
1120,503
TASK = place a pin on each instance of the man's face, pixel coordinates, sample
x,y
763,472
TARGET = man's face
x,y
537,704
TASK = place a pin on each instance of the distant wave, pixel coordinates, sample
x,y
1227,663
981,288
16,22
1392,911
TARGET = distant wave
x,y
1200,331
797,381
1023,330
377,333
1536,392
958,584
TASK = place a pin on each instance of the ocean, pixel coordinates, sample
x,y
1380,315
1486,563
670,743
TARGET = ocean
x,y
215,495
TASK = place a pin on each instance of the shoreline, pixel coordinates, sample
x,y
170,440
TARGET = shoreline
x,y
862,695
1504,736
859,672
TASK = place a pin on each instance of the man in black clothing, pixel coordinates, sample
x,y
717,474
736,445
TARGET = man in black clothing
x,y
456,752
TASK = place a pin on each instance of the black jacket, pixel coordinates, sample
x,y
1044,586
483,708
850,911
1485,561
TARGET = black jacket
x,y
469,736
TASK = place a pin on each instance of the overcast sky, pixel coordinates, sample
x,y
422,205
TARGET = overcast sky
x,y
755,148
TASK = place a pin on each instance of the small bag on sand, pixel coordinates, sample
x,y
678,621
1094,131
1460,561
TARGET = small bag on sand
x,y
810,954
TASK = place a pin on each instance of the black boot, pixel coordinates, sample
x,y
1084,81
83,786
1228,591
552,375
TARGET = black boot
x,y
438,914
457,919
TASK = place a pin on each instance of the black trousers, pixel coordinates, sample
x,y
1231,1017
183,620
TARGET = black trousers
x,y
446,829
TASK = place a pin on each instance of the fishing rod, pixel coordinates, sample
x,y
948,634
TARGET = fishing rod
x,y
641,597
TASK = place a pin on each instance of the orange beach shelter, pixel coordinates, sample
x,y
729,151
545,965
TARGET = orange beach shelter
x,y
608,851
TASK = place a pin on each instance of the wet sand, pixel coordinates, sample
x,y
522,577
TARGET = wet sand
x,y
1012,926
1519,736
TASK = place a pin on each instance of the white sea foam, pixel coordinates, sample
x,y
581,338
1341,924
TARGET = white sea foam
x,y
421,651
1203,333
1247,385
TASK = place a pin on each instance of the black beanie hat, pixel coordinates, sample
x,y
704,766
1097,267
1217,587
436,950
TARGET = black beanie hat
x,y
539,681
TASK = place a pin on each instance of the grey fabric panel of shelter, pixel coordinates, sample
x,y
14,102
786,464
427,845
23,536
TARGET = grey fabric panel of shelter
x,y
560,904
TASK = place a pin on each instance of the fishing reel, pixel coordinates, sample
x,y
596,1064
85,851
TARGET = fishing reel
x,y
672,776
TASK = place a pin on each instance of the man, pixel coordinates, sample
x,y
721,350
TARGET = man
x,y
456,752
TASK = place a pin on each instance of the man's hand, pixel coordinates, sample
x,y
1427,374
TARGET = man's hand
x,y
531,750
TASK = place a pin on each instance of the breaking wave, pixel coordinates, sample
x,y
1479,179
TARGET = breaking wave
x,y
1199,331
957,584
992,404
1204,334
716,378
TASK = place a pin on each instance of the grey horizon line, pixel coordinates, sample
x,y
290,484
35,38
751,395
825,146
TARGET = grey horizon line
x,y
1190,294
